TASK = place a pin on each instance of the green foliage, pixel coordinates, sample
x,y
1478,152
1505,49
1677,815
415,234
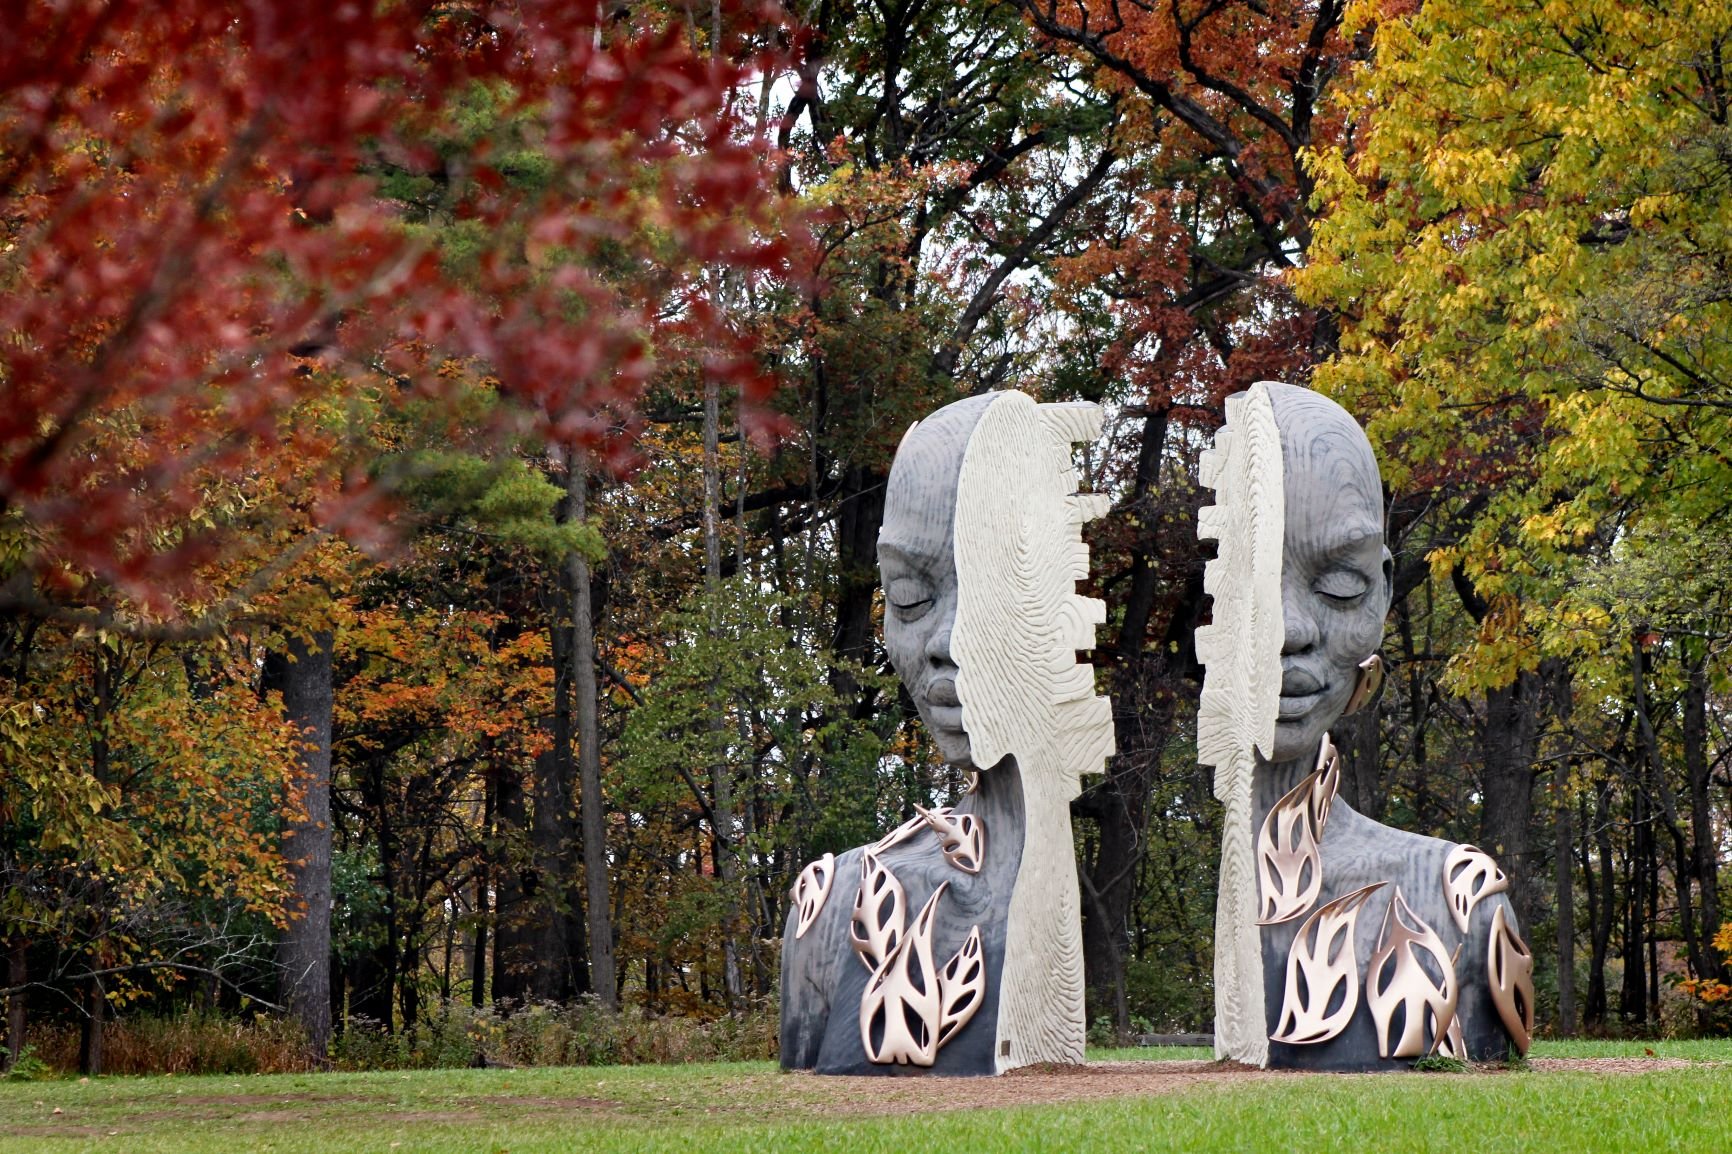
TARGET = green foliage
x,y
25,1066
504,498
738,689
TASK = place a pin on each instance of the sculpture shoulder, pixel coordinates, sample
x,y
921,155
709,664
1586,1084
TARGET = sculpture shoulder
x,y
1354,843
1434,874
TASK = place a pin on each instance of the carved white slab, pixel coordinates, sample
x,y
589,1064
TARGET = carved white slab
x,y
1241,654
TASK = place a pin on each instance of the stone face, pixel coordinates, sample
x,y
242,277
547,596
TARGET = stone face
x,y
979,555
1335,584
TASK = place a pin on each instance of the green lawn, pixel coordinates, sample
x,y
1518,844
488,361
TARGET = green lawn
x,y
752,1109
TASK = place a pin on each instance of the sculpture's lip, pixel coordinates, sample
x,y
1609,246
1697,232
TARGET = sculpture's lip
x,y
1299,682
941,691
945,717
1297,705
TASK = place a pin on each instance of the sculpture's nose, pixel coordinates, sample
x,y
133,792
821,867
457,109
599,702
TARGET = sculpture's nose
x,y
1298,624
938,644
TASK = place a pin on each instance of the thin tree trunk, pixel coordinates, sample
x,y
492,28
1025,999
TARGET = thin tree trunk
x,y
1602,905
553,833
721,777
513,939
301,671
1633,996
483,902
17,973
1704,851
599,911
1564,847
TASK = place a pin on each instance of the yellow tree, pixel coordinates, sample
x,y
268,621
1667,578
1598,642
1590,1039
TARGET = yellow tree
x,y
1528,236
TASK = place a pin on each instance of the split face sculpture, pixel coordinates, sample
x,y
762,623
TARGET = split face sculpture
x,y
953,944
1341,943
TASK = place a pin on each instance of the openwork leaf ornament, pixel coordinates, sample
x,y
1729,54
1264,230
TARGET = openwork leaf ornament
x,y
1398,980
1289,860
961,987
963,836
901,1008
1323,972
1470,875
1510,968
1326,782
903,832
811,891
880,913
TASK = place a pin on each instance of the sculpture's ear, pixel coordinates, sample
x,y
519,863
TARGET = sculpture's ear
x,y
1388,580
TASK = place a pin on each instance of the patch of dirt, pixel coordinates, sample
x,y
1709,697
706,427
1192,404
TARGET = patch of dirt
x,y
1613,1065
1053,1084
1029,1086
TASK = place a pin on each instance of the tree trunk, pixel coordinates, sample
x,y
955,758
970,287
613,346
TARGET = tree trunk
x,y
553,836
1564,852
859,516
603,979
17,973
1602,905
1507,740
721,774
513,935
1704,851
90,1037
301,671
483,895
1633,996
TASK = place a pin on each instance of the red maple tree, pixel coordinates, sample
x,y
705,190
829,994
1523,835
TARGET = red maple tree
x,y
198,235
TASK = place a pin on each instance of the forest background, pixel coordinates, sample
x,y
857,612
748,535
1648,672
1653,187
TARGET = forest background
x,y
443,447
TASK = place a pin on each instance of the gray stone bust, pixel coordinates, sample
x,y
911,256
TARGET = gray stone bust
x,y
1342,944
952,944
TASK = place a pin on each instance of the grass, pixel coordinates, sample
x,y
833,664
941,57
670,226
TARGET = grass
x,y
752,1109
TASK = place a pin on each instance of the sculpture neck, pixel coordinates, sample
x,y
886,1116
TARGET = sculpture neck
x,y
1277,777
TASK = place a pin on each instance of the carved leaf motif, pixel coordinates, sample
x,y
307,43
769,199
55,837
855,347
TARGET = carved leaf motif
x,y
1510,967
903,832
900,1010
880,913
1289,861
1397,979
1450,1043
1323,972
1327,782
963,836
811,891
1469,875
961,987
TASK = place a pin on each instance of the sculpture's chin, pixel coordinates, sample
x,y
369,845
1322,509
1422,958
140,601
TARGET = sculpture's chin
x,y
954,748
1298,738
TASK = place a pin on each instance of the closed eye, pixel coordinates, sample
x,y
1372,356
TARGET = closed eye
x,y
913,611
1344,587
909,598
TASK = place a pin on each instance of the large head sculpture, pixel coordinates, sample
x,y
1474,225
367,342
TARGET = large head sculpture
x,y
1336,574
979,554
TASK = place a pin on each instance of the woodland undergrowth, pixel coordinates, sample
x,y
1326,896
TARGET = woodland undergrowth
x,y
457,1035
